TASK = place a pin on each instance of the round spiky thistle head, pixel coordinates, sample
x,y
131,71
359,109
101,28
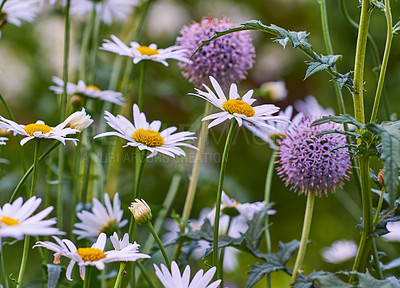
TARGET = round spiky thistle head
x,y
227,58
310,162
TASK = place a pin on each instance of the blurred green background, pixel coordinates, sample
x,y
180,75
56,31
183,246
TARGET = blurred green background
x,y
30,55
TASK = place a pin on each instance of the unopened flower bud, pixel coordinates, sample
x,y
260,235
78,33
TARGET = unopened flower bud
x,y
274,91
76,101
141,211
79,120
381,177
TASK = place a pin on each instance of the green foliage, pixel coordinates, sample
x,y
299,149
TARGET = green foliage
x,y
298,40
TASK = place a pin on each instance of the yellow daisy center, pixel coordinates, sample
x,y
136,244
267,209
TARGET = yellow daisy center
x,y
8,221
149,138
94,88
238,106
90,254
146,50
32,128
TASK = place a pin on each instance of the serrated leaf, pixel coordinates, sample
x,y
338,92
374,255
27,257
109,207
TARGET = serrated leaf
x,y
255,230
314,67
365,280
53,274
389,133
345,118
299,39
286,250
330,280
259,270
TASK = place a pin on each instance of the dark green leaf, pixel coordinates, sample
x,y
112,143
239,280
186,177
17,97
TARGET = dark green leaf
x,y
330,280
367,281
259,270
314,67
345,118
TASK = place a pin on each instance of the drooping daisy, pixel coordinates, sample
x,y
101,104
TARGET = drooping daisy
x,y
16,11
106,219
340,251
227,58
78,120
3,140
81,89
237,107
93,256
16,219
39,130
174,278
109,9
146,136
125,250
139,52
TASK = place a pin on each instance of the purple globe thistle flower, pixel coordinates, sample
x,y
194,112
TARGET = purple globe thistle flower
x,y
311,162
227,58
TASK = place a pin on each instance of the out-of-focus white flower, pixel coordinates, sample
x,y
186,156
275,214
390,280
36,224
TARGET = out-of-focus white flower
x,y
394,232
3,140
93,256
139,52
311,107
340,251
274,90
141,211
174,279
39,130
16,11
109,9
237,107
146,136
91,91
78,120
16,219
102,219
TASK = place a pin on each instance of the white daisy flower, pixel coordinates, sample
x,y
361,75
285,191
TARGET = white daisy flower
x,y
102,219
237,107
394,232
16,11
93,256
78,120
91,91
109,9
139,52
280,128
125,249
146,136
16,219
39,130
3,140
340,251
311,107
174,279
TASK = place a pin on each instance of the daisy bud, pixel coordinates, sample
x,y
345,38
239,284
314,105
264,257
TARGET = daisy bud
x,y
79,120
141,211
274,91
76,101
381,177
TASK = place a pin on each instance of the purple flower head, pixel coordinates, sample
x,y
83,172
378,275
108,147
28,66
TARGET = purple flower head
x,y
311,162
227,58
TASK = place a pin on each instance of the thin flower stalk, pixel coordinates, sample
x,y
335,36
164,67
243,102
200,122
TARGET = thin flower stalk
x,y
85,43
118,281
221,258
2,4
304,235
88,273
385,61
224,161
24,260
35,167
3,270
159,243
141,84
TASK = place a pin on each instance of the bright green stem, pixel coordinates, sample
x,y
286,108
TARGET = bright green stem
x,y
23,262
379,207
159,243
85,43
95,42
221,259
145,275
141,84
2,4
376,260
35,167
358,95
29,171
267,198
304,236
388,45
3,270
77,180
365,242
20,150
88,272
227,147
196,165
119,277
166,206
329,49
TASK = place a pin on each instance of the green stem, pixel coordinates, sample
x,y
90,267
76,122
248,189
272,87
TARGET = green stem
x,y
365,241
95,41
85,43
35,167
141,84
20,150
166,206
120,274
267,198
88,274
2,5
224,161
159,243
379,207
29,171
221,259
3,270
23,261
77,180
377,264
145,275
385,61
304,236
